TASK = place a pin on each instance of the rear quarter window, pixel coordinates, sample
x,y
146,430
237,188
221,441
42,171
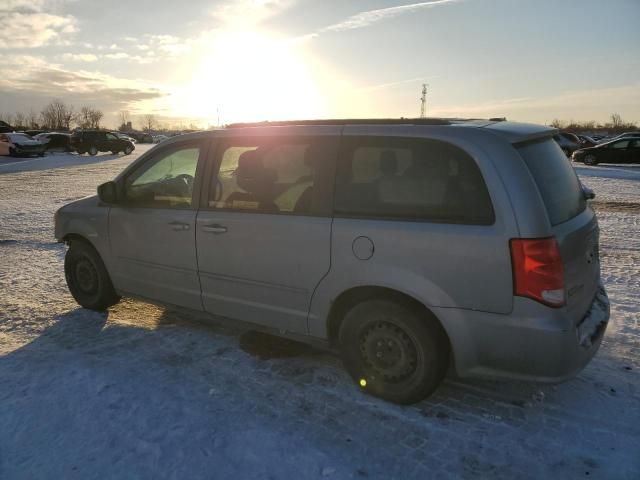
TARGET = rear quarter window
x,y
557,182
410,179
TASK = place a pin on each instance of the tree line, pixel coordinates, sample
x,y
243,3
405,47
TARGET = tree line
x,y
56,115
615,125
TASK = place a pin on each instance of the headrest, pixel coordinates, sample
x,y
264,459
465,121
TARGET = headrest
x,y
249,164
251,174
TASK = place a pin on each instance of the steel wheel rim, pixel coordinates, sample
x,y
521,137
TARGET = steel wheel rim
x,y
389,351
86,276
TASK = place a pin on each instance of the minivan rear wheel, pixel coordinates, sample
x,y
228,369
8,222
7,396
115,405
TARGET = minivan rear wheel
x,y
87,277
93,150
394,350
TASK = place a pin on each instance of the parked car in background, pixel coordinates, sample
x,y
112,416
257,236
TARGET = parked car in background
x,y
33,133
626,150
356,234
159,138
124,136
587,141
94,141
5,127
55,142
568,142
20,145
141,137
626,135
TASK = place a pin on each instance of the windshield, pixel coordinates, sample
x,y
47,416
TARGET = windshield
x,y
19,136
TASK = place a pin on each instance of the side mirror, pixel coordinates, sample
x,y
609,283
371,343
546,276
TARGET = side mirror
x,y
588,193
108,193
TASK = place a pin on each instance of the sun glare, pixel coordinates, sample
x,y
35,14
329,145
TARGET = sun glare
x,y
248,76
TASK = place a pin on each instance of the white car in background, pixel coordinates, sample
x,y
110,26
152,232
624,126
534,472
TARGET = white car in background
x,y
20,145
124,136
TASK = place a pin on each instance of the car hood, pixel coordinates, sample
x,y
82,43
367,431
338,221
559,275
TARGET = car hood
x,y
26,143
587,149
82,203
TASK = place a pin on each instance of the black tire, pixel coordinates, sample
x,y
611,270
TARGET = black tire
x,y
81,152
93,150
87,277
590,159
394,350
128,150
115,152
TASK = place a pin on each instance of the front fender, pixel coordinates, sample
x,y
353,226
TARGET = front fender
x,y
87,218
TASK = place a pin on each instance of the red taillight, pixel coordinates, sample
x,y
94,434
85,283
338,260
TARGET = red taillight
x,y
537,270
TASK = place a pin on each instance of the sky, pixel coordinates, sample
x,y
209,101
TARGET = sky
x,y
212,62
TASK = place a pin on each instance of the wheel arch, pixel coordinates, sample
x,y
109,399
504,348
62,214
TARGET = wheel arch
x,y
76,237
351,297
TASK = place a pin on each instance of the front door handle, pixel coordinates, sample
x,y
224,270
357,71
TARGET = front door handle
x,y
215,228
179,226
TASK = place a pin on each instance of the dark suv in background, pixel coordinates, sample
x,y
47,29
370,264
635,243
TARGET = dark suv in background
x,y
94,141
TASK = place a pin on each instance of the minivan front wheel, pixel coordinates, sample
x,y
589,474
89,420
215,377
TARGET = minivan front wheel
x,y
394,350
93,150
128,150
87,277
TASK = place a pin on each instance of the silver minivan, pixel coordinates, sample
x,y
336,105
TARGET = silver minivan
x,y
411,246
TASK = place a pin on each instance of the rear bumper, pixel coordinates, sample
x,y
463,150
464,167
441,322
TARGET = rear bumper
x,y
534,343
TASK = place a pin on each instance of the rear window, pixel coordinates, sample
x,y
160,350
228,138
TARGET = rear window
x,y
412,179
557,181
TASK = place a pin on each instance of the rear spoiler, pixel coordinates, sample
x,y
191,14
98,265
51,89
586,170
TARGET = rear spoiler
x,y
518,133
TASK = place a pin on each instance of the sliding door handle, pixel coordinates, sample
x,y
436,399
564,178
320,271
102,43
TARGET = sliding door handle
x,y
215,228
179,226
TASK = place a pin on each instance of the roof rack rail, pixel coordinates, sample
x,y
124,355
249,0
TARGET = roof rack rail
x,y
346,121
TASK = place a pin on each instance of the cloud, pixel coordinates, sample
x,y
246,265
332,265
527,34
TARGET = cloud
x,y
166,45
79,57
117,56
248,13
369,17
26,24
29,30
584,104
41,79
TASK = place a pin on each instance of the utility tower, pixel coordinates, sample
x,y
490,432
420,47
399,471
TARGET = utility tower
x,y
423,101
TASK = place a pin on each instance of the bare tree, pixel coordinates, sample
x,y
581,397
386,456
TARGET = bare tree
x,y
19,120
32,119
616,120
557,123
124,117
83,118
6,117
57,115
149,122
95,116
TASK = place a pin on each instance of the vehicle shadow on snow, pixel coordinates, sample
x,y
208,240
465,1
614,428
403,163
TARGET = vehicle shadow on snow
x,y
246,373
189,337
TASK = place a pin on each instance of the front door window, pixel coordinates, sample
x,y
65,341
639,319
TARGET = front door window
x,y
166,181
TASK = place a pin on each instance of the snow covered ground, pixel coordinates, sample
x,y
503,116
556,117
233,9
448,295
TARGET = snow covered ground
x,y
147,392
